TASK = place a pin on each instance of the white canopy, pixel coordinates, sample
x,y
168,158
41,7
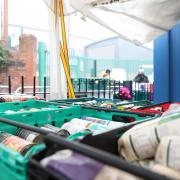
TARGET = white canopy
x,y
138,21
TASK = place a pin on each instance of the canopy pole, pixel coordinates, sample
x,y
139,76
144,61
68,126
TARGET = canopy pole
x,y
71,90
64,39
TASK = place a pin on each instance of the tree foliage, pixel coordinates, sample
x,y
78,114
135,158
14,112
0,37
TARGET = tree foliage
x,y
4,55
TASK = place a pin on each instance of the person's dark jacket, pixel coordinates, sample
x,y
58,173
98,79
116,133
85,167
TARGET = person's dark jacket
x,y
141,78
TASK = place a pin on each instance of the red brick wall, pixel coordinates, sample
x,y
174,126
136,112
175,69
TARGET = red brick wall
x,y
23,63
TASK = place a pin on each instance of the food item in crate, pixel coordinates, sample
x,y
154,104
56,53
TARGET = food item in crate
x,y
10,112
125,107
87,103
15,143
173,108
157,109
73,128
59,131
33,109
2,99
17,98
34,137
106,104
103,122
168,152
29,135
136,107
76,166
37,109
89,125
26,110
21,110
141,141
6,98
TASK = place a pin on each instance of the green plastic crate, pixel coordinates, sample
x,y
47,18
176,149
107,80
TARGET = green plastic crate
x,y
60,116
27,105
117,104
13,165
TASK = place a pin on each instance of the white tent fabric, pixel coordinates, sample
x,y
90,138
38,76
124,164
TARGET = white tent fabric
x,y
58,88
138,21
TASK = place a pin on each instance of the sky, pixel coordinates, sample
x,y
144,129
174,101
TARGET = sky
x,y
34,14
28,13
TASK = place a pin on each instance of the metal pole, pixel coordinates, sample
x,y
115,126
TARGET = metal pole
x,y
79,85
22,84
45,88
9,84
109,89
86,86
92,87
98,88
104,88
34,86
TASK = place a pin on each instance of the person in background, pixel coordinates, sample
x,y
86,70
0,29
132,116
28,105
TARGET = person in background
x,y
107,74
141,77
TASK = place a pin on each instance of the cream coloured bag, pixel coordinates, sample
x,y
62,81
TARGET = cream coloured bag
x,y
168,152
141,141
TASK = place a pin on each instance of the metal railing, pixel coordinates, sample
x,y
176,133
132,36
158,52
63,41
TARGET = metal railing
x,y
21,88
83,87
107,88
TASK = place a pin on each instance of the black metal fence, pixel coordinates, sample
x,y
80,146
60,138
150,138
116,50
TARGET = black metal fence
x,y
20,86
106,88
100,88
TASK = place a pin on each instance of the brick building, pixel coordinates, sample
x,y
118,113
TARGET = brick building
x,y
22,58
22,63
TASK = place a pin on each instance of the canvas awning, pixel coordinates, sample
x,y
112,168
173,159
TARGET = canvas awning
x,y
138,21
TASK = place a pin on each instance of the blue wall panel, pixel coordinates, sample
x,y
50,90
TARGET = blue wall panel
x,y
175,64
167,66
161,69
